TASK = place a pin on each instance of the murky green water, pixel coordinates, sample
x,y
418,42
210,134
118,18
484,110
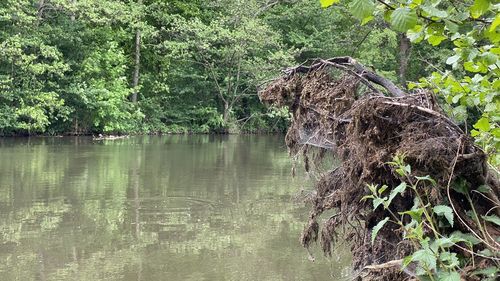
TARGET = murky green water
x,y
153,208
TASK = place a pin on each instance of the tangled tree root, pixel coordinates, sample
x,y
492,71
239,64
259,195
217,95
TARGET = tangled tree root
x,y
347,113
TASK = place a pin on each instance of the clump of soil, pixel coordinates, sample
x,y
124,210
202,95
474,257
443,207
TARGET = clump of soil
x,y
340,112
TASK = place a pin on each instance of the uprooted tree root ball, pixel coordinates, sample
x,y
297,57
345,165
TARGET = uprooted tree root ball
x,y
338,106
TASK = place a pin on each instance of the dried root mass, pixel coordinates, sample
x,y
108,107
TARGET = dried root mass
x,y
337,107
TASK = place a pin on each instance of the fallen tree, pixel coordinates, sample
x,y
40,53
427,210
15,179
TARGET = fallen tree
x,y
388,140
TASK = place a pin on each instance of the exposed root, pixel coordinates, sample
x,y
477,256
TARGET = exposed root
x,y
339,112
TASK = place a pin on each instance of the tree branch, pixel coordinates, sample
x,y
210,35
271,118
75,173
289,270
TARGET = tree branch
x,y
351,65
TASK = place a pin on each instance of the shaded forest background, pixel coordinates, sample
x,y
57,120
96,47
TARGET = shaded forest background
x,y
154,66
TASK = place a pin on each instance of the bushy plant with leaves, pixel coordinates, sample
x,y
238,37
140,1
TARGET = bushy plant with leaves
x,y
425,225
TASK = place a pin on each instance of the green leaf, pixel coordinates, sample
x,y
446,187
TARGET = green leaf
x,y
427,178
378,201
489,271
362,9
483,124
495,23
435,40
484,188
434,12
453,59
448,276
493,218
403,19
414,214
452,27
382,189
426,258
442,242
397,190
415,34
367,197
406,261
449,259
479,8
328,3
447,212
458,236
474,68
377,228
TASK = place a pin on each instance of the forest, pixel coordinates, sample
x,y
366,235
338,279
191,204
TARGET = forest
x,y
76,67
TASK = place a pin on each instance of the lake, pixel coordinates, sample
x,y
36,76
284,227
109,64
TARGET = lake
x,y
196,207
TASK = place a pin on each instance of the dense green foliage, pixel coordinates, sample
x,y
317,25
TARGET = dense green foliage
x,y
470,87
70,66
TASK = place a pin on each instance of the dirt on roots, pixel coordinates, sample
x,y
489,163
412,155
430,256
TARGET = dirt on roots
x,y
333,112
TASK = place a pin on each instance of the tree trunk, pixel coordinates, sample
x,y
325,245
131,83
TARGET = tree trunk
x,y
135,80
39,14
226,113
404,55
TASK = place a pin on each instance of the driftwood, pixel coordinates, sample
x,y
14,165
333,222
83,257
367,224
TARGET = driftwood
x,y
342,108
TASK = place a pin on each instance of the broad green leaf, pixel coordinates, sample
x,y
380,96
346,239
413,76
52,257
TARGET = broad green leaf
x,y
495,23
378,201
328,3
367,20
474,68
453,59
492,218
489,271
434,12
435,40
415,34
414,214
452,27
458,236
448,276
479,8
449,259
483,124
426,258
377,228
447,212
403,19
362,9
442,242
397,190
484,188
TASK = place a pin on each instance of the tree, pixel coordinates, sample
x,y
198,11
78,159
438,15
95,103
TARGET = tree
x,y
236,50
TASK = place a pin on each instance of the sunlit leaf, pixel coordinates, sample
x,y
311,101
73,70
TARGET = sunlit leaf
x,y
327,3
403,19
495,23
479,8
362,9
483,124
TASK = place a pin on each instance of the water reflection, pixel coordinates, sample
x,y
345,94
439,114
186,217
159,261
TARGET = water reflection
x,y
153,208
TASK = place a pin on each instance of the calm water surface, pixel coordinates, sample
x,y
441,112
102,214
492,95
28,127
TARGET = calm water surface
x,y
153,208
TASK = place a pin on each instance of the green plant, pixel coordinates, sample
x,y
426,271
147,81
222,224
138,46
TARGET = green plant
x,y
428,226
